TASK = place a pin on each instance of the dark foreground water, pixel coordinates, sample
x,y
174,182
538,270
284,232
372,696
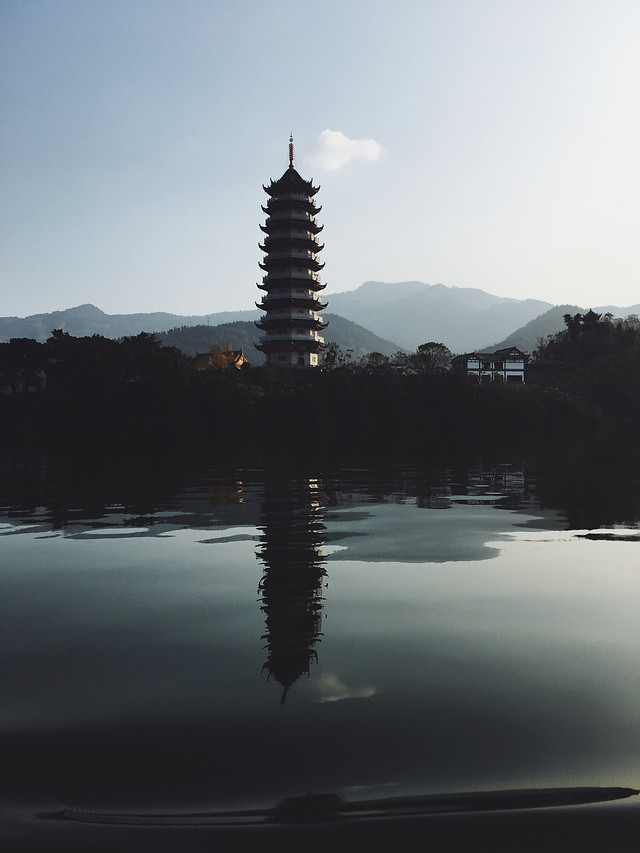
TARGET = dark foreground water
x,y
201,637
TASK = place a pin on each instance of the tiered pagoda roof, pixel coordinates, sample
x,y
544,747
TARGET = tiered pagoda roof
x,y
290,182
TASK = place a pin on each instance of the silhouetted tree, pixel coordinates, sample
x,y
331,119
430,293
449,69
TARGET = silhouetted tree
x,y
333,356
374,360
431,356
22,363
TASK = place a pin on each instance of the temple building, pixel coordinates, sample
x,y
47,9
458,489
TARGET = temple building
x,y
291,324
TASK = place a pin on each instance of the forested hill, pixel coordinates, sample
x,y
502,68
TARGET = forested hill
x,y
526,338
550,323
349,336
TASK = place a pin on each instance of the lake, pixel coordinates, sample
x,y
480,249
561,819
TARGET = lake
x,y
199,635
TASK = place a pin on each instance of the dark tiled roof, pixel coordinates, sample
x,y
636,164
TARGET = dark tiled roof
x,y
291,181
490,356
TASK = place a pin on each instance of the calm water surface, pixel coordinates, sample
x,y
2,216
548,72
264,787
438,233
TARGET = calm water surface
x,y
228,636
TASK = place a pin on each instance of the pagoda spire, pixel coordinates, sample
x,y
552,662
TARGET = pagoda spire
x,y
291,151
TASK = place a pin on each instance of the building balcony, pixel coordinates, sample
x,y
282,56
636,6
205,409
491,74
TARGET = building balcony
x,y
296,273
276,320
291,253
290,286
287,228
291,216
300,238
301,241
308,301
301,335
291,196
289,267
286,263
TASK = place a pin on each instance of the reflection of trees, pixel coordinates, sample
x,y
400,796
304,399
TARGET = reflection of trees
x,y
291,586
593,484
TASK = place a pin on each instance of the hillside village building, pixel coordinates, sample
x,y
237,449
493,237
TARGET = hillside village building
x,y
227,357
292,324
505,364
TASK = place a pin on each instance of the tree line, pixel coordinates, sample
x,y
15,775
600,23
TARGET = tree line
x,y
594,360
588,374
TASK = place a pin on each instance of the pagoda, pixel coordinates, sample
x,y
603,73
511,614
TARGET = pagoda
x,y
291,324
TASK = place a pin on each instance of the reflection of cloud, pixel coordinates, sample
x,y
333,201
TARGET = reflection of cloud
x,y
335,150
328,688
462,532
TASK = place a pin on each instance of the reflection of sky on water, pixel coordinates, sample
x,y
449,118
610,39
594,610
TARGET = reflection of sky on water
x,y
527,662
462,648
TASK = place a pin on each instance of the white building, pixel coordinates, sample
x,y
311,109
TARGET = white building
x,y
506,365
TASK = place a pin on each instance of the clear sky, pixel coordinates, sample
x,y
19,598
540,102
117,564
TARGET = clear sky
x,y
474,143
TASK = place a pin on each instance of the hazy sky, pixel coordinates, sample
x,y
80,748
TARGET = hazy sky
x,y
476,143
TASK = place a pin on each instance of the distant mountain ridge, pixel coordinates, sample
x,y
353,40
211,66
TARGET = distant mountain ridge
x,y
408,313
412,312
89,320
462,318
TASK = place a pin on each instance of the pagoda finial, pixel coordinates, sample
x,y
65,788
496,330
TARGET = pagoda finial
x,y
291,151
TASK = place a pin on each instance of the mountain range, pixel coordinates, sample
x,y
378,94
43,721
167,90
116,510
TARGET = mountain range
x,y
377,316
411,312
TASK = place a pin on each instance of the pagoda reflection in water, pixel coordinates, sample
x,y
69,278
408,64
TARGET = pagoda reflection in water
x,y
291,586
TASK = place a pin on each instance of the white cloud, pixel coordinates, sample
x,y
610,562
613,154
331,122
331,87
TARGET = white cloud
x,y
334,150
